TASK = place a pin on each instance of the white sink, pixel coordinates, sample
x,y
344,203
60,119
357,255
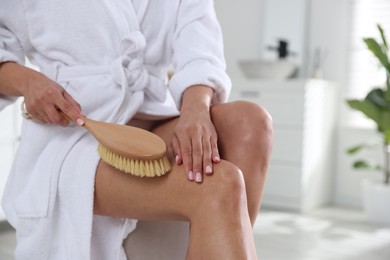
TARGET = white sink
x,y
261,69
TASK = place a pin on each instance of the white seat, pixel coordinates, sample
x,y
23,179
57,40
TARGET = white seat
x,y
154,240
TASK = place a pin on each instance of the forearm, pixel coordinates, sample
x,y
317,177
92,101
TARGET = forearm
x,y
196,99
43,97
14,78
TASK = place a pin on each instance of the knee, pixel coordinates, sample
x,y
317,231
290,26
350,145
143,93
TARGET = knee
x,y
256,118
253,120
227,191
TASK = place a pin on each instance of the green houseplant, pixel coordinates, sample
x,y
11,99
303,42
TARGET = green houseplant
x,y
376,106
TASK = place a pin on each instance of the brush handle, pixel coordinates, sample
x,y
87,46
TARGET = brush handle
x,y
128,141
71,120
66,116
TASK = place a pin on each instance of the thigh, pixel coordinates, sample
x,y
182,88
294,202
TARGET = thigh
x,y
218,115
230,119
169,197
122,195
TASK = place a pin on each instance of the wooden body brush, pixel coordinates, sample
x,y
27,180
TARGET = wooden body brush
x,y
129,149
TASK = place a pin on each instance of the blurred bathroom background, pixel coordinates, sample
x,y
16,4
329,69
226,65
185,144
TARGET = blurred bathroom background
x,y
300,59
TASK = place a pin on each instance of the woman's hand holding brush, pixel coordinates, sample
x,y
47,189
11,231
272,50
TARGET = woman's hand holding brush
x,y
44,98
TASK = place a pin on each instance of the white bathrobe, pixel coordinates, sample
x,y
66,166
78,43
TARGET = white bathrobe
x,y
112,57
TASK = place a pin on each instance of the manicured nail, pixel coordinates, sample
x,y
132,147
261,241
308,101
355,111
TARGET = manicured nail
x,y
209,170
198,177
216,158
177,159
80,122
190,175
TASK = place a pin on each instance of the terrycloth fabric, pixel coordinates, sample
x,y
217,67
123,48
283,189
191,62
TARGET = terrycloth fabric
x,y
112,57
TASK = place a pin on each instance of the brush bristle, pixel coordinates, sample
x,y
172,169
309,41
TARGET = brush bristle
x,y
141,168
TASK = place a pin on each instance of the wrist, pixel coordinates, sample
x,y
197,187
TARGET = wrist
x,y
196,99
28,79
15,79
196,108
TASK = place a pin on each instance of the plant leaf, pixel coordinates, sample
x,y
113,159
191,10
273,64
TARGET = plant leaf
x,y
368,108
355,149
387,136
385,125
377,50
366,165
388,86
377,97
385,119
382,36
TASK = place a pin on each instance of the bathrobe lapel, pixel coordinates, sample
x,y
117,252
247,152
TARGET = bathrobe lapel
x,y
129,70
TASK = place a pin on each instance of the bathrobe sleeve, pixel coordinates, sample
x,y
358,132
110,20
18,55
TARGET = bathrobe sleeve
x,y
198,56
10,50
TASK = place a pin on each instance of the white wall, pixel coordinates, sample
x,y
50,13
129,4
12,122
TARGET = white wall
x,y
286,20
330,31
241,23
245,36
327,30
347,190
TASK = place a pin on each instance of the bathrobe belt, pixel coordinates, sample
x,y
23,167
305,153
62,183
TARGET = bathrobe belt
x,y
128,70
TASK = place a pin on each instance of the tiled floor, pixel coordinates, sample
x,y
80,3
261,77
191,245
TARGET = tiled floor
x,y
329,234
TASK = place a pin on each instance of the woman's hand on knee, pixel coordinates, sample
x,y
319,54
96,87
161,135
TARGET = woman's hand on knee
x,y
194,144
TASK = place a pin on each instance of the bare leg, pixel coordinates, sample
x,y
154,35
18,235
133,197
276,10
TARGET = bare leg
x,y
218,208
220,225
245,139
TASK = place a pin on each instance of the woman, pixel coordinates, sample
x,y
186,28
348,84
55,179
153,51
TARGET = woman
x,y
109,61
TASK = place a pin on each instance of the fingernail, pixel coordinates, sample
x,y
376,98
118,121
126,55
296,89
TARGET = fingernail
x,y
216,158
190,175
198,177
80,122
209,170
177,159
